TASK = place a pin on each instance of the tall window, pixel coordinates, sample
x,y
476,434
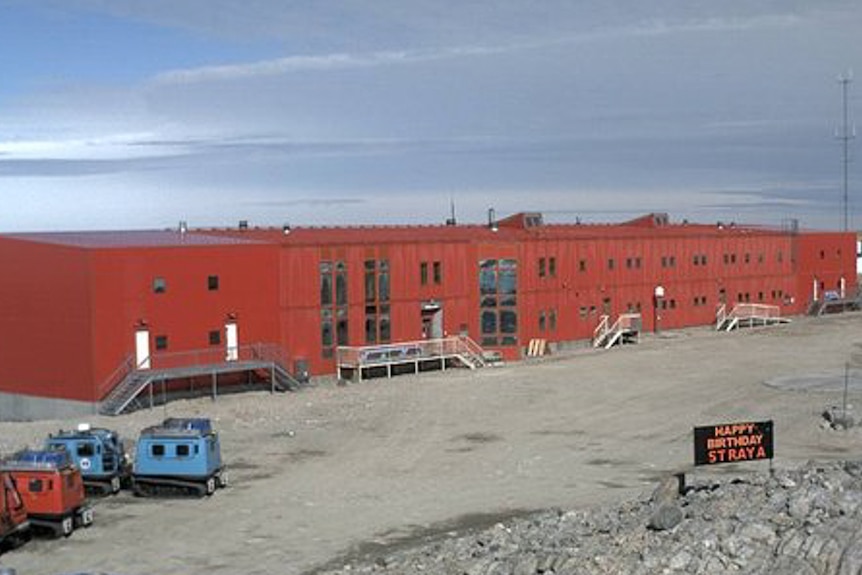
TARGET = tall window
x,y
423,273
438,273
498,290
333,306
377,323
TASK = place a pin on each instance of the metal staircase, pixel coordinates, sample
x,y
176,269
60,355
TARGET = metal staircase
x,y
747,315
626,329
123,389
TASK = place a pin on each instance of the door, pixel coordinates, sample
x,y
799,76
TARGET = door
x,y
142,349
432,320
231,342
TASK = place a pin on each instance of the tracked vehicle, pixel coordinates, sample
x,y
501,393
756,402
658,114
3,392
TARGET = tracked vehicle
x,y
99,454
14,525
179,458
51,489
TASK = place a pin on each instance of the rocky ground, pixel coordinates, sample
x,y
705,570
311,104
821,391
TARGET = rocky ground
x,y
461,464
804,521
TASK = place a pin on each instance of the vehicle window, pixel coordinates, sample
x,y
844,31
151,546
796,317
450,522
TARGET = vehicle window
x,y
157,450
34,486
182,450
86,450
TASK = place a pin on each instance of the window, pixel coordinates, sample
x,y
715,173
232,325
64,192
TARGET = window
x,y
780,256
747,258
161,342
157,450
610,263
542,320
423,273
34,486
582,312
377,327
438,273
552,267
183,450
85,450
541,267
552,320
582,265
733,258
212,283
215,337
333,303
160,285
498,298
668,261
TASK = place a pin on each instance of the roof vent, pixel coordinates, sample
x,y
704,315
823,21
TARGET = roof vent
x,y
243,224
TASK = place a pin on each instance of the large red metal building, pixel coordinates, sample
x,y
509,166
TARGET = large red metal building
x,y
80,313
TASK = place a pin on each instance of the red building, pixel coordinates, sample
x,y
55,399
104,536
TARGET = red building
x,y
80,312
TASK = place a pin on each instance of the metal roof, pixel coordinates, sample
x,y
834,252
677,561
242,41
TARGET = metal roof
x,y
131,239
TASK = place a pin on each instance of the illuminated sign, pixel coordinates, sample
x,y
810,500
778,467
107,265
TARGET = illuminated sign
x,y
732,442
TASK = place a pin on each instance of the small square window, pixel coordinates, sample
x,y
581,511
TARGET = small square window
x,y
215,337
157,450
212,283
182,450
34,486
161,342
160,285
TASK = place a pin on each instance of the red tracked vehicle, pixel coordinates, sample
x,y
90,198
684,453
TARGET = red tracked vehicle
x,y
51,489
14,526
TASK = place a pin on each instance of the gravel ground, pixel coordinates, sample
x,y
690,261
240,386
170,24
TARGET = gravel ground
x,y
325,474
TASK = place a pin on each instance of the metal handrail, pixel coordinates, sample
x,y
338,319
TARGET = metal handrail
x,y
755,310
348,356
601,329
116,376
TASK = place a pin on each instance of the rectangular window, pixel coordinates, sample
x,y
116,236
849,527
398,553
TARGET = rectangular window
x,y
34,486
541,267
552,320
325,283
370,280
215,337
341,332
438,273
340,283
85,450
157,450
582,265
327,331
552,267
610,263
160,285
383,281
161,342
542,320
498,288
183,450
212,283
671,261
423,273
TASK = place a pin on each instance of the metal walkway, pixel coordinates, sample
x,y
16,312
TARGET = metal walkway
x,y
357,361
748,315
124,389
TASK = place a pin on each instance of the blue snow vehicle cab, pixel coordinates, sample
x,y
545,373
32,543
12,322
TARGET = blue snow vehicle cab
x,y
98,453
180,457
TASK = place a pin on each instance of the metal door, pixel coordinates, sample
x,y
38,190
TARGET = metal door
x,y
142,349
232,342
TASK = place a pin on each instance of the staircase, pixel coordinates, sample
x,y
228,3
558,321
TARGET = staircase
x,y
626,329
123,388
747,315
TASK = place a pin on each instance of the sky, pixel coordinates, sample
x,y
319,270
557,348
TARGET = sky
x,y
129,114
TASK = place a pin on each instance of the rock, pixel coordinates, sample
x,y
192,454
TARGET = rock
x,y
665,517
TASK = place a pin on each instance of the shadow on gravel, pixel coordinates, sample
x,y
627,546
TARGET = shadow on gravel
x,y
416,535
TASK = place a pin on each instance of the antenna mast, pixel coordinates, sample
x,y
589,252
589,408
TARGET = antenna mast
x,y
847,134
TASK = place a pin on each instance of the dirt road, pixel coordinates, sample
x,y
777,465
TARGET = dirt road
x,y
317,473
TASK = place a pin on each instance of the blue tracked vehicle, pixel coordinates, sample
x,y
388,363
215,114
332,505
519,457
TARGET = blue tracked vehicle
x,y
179,458
99,454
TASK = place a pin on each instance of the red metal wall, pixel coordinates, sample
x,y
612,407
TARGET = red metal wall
x,y
825,258
45,327
187,310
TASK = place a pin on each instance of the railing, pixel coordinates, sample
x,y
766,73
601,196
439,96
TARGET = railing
x,y
755,311
116,377
720,316
354,357
627,322
601,330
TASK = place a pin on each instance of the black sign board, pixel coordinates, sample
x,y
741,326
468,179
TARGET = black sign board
x,y
732,442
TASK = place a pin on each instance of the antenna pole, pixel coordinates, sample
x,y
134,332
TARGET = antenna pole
x,y
847,134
